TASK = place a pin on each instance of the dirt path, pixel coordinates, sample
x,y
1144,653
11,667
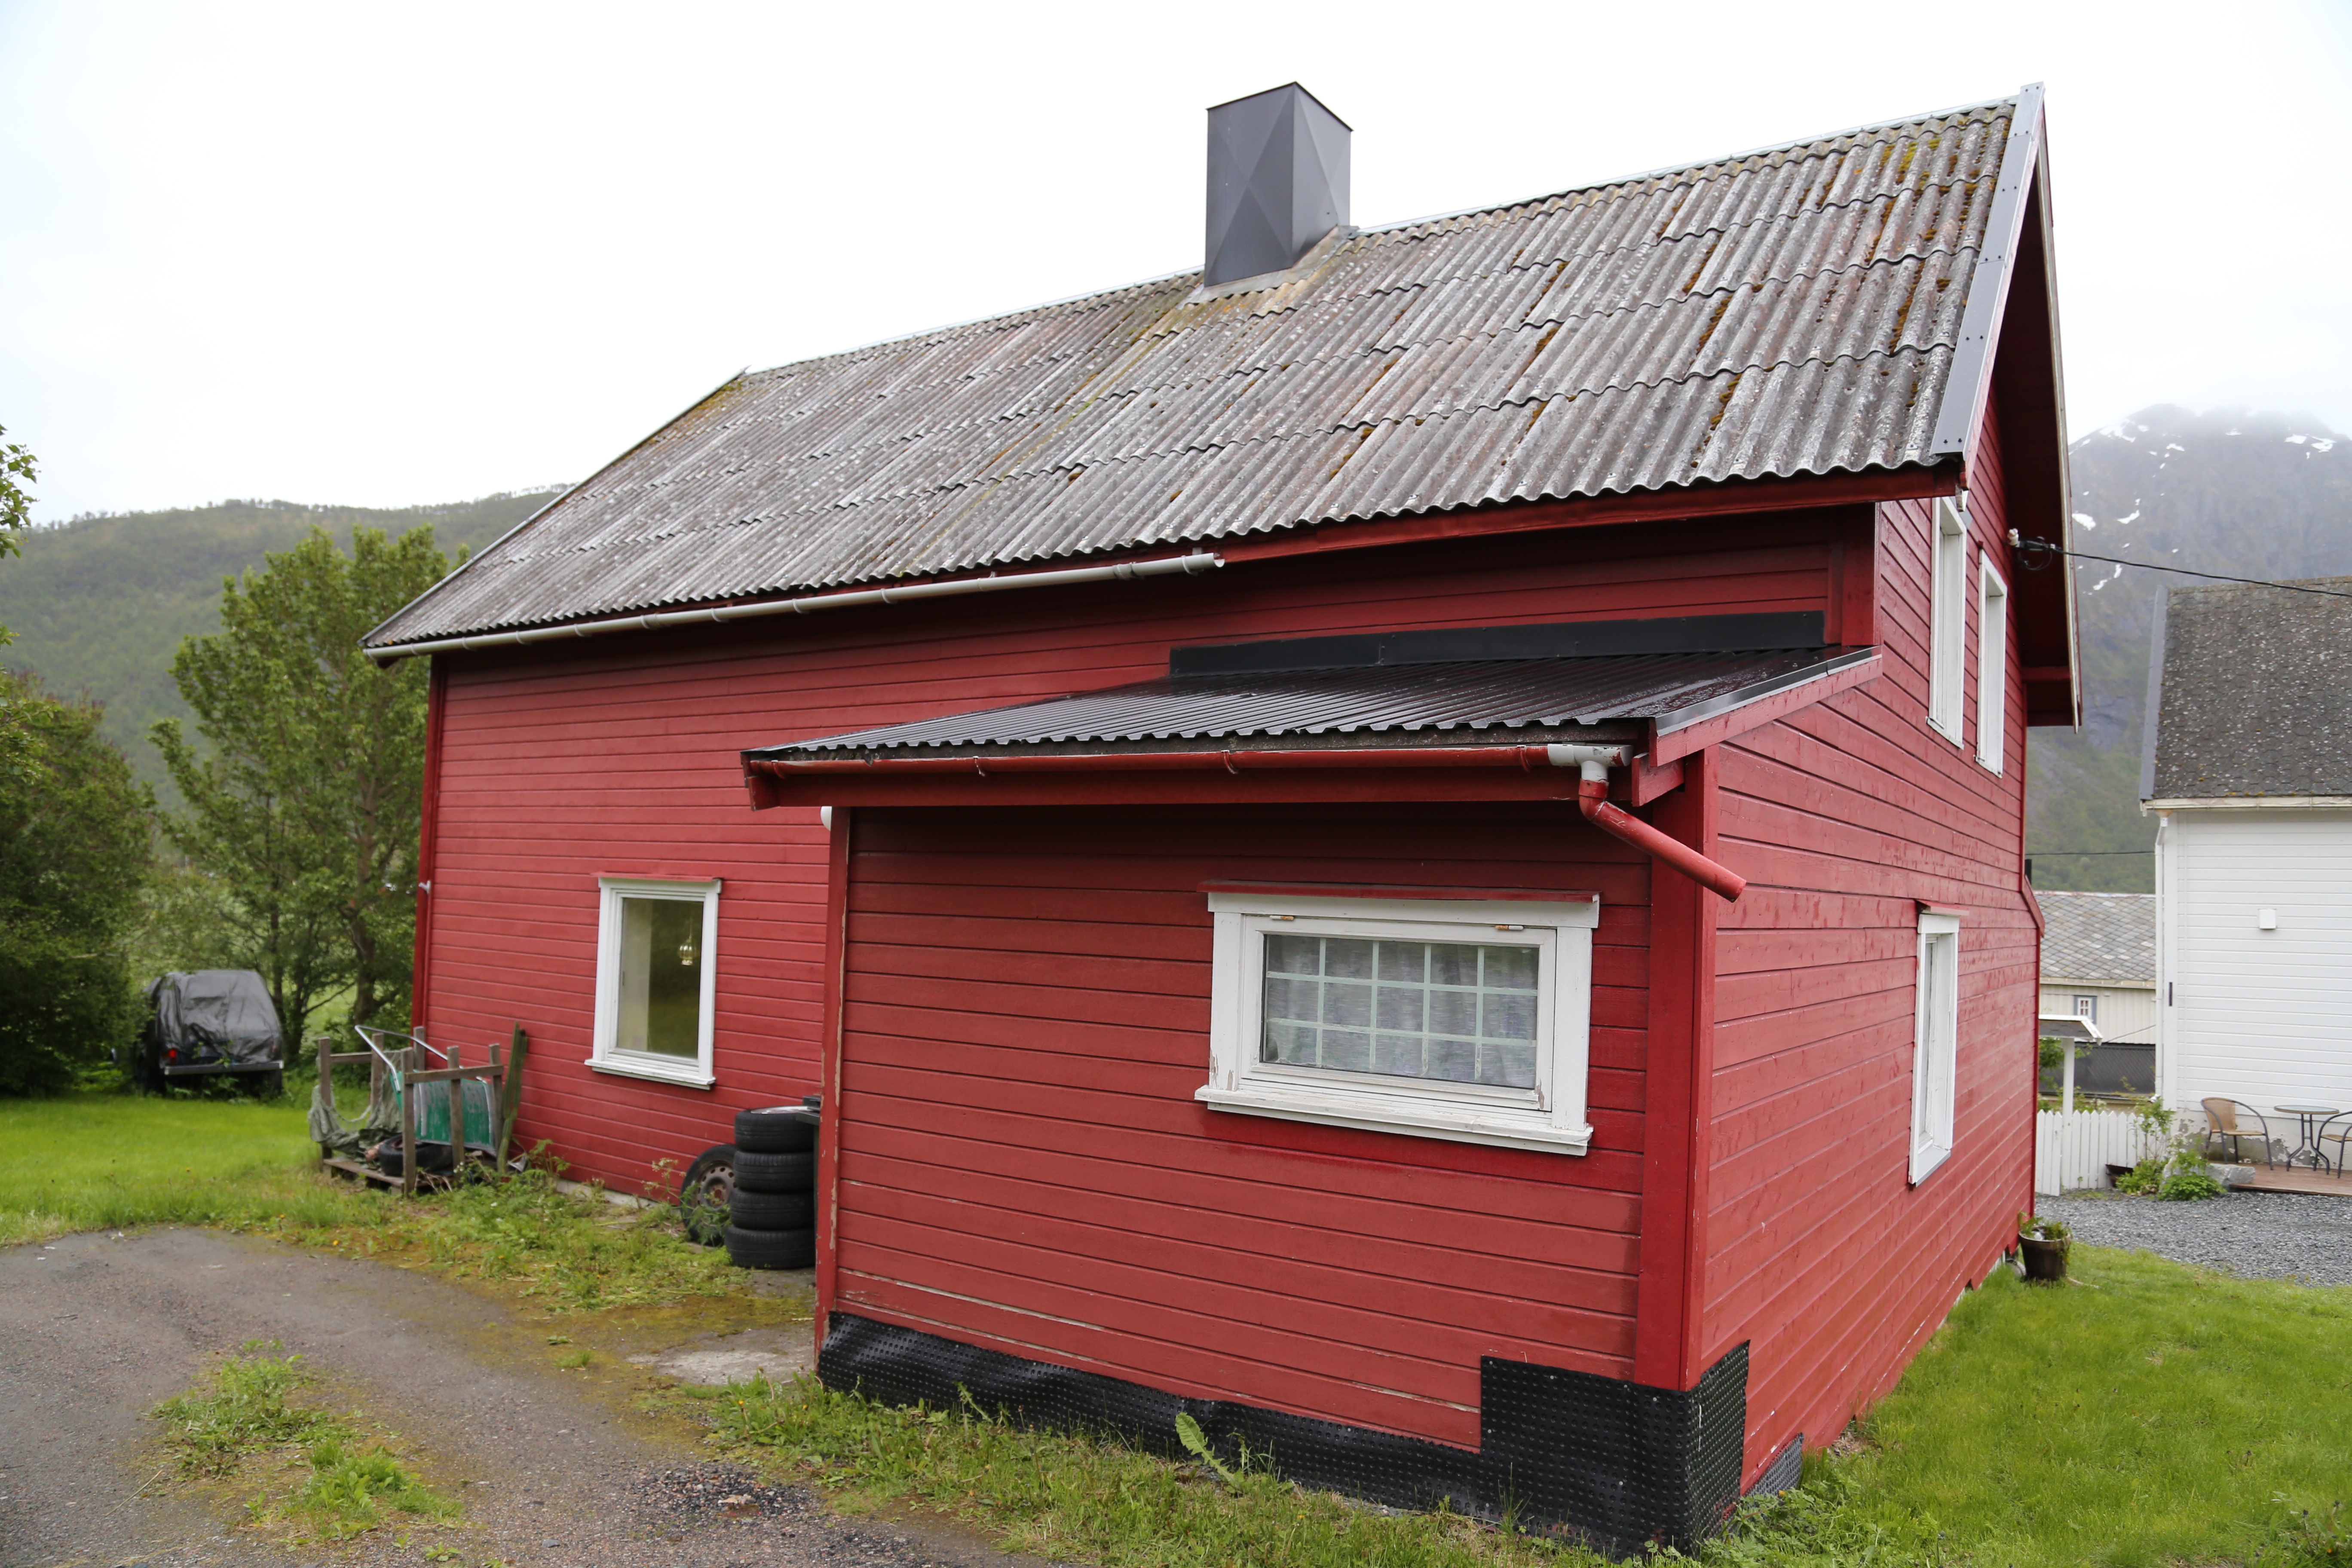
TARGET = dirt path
x,y
554,1466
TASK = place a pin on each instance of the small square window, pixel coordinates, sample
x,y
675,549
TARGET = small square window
x,y
2087,1009
1463,1020
655,973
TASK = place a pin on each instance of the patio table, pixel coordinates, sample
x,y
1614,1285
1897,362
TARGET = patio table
x,y
2312,1116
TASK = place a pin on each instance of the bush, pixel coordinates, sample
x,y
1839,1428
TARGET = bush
x,y
74,852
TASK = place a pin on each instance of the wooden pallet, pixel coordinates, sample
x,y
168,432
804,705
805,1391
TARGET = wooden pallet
x,y
354,1170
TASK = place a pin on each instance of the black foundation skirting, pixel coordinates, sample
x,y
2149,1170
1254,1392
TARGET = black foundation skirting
x,y
1619,1463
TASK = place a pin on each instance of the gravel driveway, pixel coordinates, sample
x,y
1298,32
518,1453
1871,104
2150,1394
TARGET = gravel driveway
x,y
555,1469
2273,1236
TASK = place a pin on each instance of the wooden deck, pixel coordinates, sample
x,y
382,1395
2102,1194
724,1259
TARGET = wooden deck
x,y
2299,1180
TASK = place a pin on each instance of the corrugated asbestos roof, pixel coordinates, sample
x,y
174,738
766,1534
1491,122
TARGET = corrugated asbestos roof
x,y
2099,936
1788,311
2254,699
1426,700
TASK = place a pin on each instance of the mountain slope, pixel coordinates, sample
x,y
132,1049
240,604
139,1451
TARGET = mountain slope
x,y
2253,495
99,605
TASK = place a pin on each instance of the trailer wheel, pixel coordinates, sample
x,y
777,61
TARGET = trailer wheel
x,y
704,1195
771,1248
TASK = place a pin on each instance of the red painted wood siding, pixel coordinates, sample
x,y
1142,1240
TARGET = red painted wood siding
x,y
1022,1164
1819,1253
619,757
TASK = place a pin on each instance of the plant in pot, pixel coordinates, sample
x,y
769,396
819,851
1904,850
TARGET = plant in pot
x,y
2042,1242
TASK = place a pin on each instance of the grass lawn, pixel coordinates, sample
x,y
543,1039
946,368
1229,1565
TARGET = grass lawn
x,y
2151,1414
109,1162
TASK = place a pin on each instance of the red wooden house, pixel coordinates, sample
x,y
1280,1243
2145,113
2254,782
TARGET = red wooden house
x,y
1410,842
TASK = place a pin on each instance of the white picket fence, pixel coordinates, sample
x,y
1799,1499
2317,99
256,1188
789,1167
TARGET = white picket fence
x,y
2072,1149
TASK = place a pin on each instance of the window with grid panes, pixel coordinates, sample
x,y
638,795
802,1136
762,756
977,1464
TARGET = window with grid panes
x,y
1452,1019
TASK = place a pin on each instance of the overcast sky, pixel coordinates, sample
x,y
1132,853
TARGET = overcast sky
x,y
389,255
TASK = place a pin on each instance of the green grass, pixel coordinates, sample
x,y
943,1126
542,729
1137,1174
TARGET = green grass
x,y
98,1162
2151,1414
1080,1498
244,1407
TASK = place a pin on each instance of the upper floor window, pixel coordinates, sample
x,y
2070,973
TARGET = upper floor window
x,y
1948,615
2087,1009
1992,668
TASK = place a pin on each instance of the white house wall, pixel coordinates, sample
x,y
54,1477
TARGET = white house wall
x,y
2126,1013
2262,1016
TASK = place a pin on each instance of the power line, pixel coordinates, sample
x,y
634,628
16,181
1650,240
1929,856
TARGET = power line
x,y
2043,547
2091,851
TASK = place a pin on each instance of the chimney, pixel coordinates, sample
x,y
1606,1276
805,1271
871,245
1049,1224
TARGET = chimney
x,y
1277,182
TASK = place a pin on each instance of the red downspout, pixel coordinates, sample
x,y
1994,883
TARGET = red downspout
x,y
1591,795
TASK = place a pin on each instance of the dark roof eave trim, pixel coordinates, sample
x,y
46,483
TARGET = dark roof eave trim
x,y
1166,566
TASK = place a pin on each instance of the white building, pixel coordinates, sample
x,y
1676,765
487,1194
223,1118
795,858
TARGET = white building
x,y
2098,962
2249,772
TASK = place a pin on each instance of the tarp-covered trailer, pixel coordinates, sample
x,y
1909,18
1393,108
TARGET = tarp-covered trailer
x,y
211,1023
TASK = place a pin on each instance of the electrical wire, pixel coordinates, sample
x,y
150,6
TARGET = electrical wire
x,y
2091,851
2043,547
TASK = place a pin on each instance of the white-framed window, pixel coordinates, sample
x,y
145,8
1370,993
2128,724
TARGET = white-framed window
x,y
1464,1019
1948,615
657,950
1992,667
2087,1009
1935,1060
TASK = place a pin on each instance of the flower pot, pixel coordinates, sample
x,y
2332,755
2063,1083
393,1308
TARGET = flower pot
x,y
2044,1259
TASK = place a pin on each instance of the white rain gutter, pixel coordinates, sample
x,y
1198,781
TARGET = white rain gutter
x,y
1167,566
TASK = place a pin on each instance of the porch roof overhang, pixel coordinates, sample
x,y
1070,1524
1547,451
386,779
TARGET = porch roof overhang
x,y
1488,728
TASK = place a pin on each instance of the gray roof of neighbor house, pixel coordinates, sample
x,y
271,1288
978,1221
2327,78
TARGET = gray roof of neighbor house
x,y
2250,695
1795,311
2099,936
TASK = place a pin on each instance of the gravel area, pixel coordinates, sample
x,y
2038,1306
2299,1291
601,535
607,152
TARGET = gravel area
x,y
2262,1236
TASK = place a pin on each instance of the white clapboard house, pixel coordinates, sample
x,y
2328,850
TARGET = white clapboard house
x,y
2249,773
2098,988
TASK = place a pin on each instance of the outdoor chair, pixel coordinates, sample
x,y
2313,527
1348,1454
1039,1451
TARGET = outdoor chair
x,y
2336,1130
2221,1123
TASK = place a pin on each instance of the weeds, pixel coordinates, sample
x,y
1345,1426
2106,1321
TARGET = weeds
x,y
241,1409
2307,1540
1089,1498
351,1491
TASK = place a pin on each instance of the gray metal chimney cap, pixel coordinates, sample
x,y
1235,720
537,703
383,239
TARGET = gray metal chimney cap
x,y
1277,181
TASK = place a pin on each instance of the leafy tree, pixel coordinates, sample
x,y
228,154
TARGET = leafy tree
x,y
308,805
74,848
15,506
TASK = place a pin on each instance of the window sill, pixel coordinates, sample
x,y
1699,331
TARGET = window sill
x,y
1935,1163
1432,1122
688,1074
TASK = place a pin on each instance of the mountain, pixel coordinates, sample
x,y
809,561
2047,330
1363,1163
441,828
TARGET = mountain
x,y
99,605
2249,495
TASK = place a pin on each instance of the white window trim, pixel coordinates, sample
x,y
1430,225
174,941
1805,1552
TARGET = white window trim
x,y
1931,1123
604,1055
1947,630
1992,667
1550,1117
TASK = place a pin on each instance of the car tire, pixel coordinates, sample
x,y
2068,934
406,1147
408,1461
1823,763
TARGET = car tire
x,y
773,1130
705,1194
771,1248
772,1211
774,1172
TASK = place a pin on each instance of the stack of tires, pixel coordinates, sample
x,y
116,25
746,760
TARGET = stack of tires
x,y
771,1216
